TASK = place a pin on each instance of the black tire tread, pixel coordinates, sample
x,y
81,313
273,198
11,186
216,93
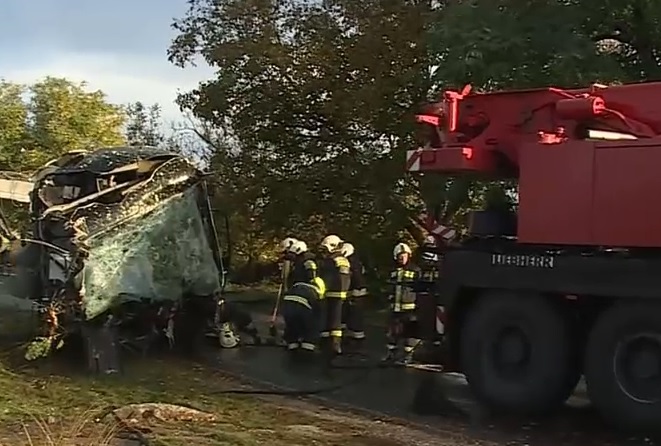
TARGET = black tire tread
x,y
557,375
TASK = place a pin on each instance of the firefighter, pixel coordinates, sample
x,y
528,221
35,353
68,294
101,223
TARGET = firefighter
x,y
353,310
335,271
287,256
304,266
403,320
429,263
231,315
429,275
301,309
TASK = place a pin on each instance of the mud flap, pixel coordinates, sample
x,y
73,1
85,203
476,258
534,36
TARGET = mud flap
x,y
101,349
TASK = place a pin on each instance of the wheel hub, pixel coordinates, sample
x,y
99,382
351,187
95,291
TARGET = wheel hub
x,y
638,367
511,352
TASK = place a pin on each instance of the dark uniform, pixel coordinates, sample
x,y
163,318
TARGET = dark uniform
x,y
304,269
301,309
403,326
354,307
427,306
429,265
288,260
336,274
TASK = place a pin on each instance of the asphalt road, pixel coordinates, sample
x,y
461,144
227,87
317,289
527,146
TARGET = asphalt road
x,y
447,400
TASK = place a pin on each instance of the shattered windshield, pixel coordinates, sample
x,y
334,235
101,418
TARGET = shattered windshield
x,y
152,245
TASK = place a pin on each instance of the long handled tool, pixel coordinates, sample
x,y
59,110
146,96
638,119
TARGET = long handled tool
x,y
273,331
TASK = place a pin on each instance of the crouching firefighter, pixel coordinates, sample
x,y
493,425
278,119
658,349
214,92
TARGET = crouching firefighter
x,y
335,271
403,324
301,309
353,310
230,315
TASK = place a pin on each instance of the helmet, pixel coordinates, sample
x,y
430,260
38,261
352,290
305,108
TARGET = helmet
x,y
430,240
318,282
347,249
299,247
401,248
331,243
430,256
227,337
287,244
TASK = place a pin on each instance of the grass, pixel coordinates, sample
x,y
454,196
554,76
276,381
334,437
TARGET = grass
x,y
49,405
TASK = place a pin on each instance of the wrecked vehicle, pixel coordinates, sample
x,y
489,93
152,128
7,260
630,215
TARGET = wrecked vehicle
x,y
124,251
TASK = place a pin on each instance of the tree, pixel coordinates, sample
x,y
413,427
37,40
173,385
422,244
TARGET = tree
x,y
144,124
317,99
59,116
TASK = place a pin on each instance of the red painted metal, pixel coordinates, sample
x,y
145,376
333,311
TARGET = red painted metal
x,y
572,190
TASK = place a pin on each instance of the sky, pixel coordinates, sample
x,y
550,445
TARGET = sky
x,y
116,46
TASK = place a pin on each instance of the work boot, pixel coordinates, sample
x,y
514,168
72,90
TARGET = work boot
x,y
407,359
391,356
336,346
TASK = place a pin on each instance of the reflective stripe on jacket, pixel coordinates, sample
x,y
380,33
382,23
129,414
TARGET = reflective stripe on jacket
x,y
336,274
304,294
405,282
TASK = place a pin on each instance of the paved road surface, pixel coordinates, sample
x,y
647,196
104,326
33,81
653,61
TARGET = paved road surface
x,y
390,392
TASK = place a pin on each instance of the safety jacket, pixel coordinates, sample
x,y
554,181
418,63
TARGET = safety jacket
x,y
336,274
308,295
429,270
357,286
304,268
405,284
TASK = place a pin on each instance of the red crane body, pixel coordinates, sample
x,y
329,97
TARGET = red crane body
x,y
588,161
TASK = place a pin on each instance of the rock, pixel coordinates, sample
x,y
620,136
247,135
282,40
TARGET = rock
x,y
162,412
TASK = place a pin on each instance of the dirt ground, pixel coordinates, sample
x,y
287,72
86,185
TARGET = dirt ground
x,y
50,404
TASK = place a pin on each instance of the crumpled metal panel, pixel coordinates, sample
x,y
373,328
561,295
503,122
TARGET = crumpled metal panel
x,y
105,160
150,246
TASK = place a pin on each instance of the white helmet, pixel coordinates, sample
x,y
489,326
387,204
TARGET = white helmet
x,y
401,248
299,247
287,244
347,249
430,240
331,243
227,337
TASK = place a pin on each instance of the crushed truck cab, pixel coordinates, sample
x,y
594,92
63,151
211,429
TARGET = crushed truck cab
x,y
565,284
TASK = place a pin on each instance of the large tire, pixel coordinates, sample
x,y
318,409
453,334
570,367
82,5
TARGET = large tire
x,y
540,383
620,332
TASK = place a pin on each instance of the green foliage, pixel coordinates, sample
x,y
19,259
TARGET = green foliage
x,y
315,101
58,116
42,346
312,102
143,127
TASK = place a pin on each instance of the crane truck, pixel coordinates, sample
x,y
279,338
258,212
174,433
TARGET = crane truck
x,y
567,283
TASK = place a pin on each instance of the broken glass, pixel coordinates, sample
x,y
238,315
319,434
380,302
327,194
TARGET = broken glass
x,y
152,245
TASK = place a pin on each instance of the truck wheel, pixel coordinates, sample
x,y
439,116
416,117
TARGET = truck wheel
x,y
623,365
517,354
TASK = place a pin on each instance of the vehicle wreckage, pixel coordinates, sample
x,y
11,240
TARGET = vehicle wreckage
x,y
123,251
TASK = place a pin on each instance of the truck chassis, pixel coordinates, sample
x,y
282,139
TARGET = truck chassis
x,y
525,322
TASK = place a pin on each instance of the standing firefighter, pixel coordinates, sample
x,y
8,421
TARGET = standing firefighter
x,y
403,326
336,273
287,257
429,261
304,266
353,310
301,304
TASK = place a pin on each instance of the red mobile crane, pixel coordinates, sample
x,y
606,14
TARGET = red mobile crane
x,y
573,287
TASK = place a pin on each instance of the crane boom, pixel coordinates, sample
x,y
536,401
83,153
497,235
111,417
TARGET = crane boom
x,y
585,159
